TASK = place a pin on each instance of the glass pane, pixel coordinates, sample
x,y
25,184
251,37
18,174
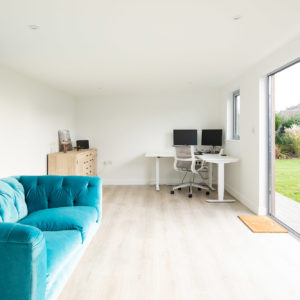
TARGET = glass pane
x,y
238,116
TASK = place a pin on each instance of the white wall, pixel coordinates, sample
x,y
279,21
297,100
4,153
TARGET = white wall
x,y
247,180
124,128
30,115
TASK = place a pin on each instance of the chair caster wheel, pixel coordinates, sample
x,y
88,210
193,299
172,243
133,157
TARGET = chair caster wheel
x,y
179,189
207,193
172,192
190,195
199,189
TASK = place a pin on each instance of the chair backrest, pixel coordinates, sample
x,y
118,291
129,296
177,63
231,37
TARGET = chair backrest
x,y
184,158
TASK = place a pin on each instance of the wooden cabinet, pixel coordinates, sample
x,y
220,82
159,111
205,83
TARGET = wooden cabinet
x,y
82,162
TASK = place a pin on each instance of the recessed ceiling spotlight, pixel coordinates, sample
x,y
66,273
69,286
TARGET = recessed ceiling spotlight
x,y
236,18
34,27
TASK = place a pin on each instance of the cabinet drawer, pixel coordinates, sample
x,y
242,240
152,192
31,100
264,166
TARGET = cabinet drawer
x,y
82,163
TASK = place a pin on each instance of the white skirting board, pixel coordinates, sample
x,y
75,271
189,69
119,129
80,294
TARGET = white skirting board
x,y
141,181
252,206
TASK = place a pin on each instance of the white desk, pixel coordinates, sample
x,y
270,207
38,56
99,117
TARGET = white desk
x,y
210,159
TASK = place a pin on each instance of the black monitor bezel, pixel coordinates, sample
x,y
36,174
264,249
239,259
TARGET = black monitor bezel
x,y
189,144
215,145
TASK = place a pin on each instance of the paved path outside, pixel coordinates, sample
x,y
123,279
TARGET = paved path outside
x,y
287,211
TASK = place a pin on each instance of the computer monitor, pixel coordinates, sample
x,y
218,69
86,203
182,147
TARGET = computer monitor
x,y
185,137
211,137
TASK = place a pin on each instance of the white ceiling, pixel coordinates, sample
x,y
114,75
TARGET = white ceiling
x,y
94,47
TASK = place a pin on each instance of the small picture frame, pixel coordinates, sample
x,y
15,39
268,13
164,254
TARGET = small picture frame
x,y
64,140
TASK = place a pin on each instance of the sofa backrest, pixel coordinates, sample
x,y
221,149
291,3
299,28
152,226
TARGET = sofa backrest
x,y
12,200
55,191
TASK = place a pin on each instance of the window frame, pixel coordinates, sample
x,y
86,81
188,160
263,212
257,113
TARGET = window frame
x,y
235,119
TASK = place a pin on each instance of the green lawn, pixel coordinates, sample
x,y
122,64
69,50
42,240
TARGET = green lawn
x,y
287,178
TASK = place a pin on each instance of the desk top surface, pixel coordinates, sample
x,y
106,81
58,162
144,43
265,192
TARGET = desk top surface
x,y
209,157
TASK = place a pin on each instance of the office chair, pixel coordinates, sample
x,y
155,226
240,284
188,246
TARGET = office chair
x,y
185,161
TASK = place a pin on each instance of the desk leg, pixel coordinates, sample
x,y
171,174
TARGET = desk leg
x,y
157,173
210,169
220,186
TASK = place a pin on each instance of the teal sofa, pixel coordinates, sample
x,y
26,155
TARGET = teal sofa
x,y
46,222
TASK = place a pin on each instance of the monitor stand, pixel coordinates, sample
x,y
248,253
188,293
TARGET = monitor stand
x,y
215,150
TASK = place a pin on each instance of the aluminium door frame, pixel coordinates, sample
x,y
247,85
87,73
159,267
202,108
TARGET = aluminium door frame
x,y
271,150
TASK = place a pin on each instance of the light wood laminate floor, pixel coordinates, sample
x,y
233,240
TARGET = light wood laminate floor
x,y
157,246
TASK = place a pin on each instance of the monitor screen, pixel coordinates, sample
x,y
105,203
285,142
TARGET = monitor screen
x,y
211,137
185,137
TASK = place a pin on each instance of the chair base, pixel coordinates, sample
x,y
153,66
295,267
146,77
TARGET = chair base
x,y
190,185
220,201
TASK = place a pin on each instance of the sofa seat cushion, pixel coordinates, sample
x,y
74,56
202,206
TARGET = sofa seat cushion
x,y
80,218
60,247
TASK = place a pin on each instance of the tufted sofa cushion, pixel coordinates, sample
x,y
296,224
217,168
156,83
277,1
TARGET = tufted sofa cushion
x,y
12,200
43,192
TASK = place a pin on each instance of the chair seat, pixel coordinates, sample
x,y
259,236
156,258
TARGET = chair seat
x,y
79,218
200,168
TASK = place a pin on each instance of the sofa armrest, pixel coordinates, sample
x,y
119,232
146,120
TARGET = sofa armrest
x,y
23,262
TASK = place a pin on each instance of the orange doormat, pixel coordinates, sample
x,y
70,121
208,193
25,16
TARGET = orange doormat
x,y
262,224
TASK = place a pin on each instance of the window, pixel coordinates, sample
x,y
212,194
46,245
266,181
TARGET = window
x,y
236,115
